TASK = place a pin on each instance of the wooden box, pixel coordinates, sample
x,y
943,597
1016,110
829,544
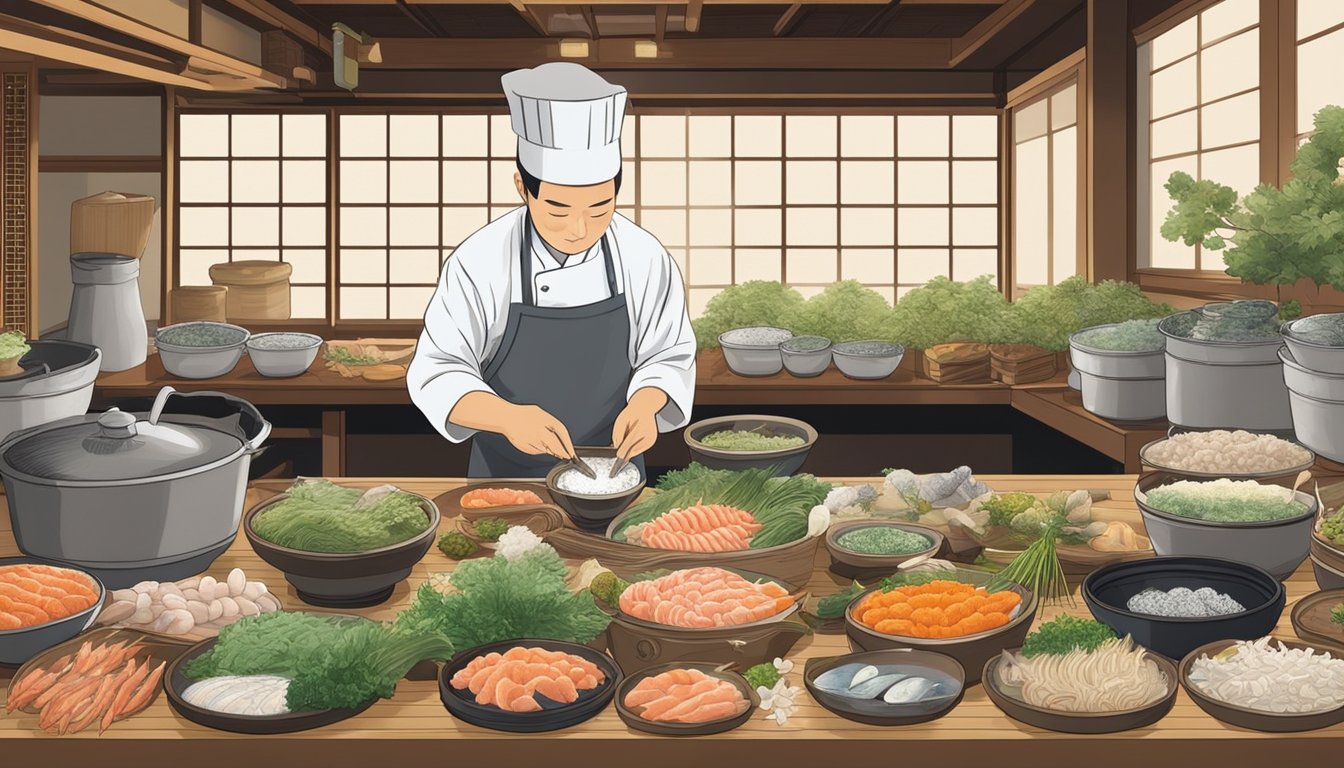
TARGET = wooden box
x,y
111,222
257,290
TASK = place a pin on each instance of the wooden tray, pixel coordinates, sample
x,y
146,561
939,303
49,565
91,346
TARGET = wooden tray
x,y
1311,619
450,503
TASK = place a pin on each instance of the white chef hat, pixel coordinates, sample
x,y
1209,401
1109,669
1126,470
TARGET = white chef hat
x,y
568,120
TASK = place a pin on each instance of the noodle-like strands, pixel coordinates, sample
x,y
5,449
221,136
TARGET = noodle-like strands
x,y
1117,676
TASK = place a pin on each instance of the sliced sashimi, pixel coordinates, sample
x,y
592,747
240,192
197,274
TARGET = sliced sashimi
x,y
686,696
701,598
512,680
485,498
702,528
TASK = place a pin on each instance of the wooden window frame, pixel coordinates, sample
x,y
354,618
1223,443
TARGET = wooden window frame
x,y
1069,71
333,326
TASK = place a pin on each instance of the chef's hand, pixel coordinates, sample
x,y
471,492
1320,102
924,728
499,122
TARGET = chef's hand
x,y
534,431
636,427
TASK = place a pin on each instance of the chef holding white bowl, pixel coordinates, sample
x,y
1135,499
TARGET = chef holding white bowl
x,y
560,323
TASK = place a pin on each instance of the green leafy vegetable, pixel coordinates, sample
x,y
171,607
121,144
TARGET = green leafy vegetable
x,y
1004,507
1337,614
490,528
1046,316
943,311
833,606
344,356
320,516
762,676
1038,569
911,579
1064,634
758,302
498,599
844,311
13,345
608,587
456,545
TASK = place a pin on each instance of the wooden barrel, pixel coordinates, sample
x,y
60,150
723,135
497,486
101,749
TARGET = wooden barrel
x,y
199,302
258,290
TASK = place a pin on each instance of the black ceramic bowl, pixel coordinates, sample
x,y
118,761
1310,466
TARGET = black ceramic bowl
x,y
20,645
553,716
1107,590
344,580
784,461
1080,722
175,683
876,711
1254,719
592,513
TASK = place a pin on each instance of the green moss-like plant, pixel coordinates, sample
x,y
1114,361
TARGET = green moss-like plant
x,y
944,310
759,302
845,311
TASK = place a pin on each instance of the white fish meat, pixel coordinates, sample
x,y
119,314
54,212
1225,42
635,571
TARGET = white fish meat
x,y
865,673
910,690
873,687
249,695
837,680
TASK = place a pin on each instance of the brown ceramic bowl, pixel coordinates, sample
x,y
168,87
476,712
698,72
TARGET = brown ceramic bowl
x,y
1312,622
723,725
1253,719
344,580
784,462
972,651
862,567
1080,722
876,711
591,513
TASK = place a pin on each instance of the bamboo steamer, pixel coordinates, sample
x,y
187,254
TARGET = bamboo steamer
x,y
192,303
111,222
257,290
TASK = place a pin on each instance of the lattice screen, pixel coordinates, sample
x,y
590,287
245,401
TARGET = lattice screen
x,y
14,221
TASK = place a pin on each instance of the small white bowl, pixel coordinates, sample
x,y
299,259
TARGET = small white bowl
x,y
283,362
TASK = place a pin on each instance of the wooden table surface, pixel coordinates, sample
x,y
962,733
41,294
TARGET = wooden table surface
x,y
1050,402
414,728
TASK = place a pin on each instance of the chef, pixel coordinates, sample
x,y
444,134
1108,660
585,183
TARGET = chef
x,y
561,323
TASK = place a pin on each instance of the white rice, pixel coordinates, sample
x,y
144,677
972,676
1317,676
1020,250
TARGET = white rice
x,y
575,482
1227,452
1272,678
758,336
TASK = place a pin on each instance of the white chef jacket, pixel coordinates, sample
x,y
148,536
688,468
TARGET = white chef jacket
x,y
466,318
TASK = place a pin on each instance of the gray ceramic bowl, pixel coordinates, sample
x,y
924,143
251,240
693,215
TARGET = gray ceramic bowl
x,y
803,361
1277,546
867,359
752,359
591,513
20,645
785,461
1314,356
876,711
283,362
193,362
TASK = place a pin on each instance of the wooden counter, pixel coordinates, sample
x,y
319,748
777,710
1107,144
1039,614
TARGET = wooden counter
x,y
414,728
1050,402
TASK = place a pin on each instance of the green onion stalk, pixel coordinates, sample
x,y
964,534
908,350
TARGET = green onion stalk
x,y
1037,568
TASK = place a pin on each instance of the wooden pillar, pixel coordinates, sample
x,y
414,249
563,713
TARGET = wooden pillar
x,y
168,204
18,197
1278,89
1110,147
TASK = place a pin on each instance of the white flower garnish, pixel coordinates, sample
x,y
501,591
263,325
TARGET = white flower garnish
x,y
783,666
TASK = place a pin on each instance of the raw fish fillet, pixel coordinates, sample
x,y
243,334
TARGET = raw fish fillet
x,y
703,528
510,680
485,498
701,598
686,696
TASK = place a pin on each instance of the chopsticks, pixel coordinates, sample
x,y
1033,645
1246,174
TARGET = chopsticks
x,y
617,467
583,468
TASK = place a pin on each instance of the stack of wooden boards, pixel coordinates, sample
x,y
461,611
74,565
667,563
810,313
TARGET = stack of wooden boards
x,y
957,363
1021,363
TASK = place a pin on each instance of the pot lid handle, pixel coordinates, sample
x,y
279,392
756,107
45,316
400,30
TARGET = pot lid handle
x,y
159,402
117,423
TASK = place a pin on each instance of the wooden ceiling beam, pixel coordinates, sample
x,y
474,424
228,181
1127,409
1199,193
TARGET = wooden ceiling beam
x,y
627,3
421,19
1008,30
268,13
787,20
693,9
660,24
590,18
256,76
988,28
530,16
48,43
796,53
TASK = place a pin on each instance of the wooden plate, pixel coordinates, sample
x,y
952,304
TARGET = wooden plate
x,y
450,503
1311,619
175,682
1080,722
724,725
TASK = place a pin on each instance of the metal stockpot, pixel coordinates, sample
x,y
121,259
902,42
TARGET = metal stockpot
x,y
1123,386
132,497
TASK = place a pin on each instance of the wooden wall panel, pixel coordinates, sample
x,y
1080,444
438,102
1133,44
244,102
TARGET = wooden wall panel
x,y
18,187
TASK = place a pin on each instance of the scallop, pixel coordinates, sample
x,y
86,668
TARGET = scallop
x,y
174,622
237,581
124,596
200,612
207,587
172,601
229,605
215,610
246,607
254,590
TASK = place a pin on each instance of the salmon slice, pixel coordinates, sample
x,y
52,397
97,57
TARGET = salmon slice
x,y
509,681
507,693
484,498
561,689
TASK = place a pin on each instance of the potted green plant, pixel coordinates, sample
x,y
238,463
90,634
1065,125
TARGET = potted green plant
x,y
1278,236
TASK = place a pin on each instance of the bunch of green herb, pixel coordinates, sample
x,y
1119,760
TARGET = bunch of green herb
x,y
331,662
762,675
490,528
1065,634
758,302
1279,236
833,606
913,579
780,505
456,546
844,311
343,356
608,587
1003,507
943,311
1038,569
496,599
1337,614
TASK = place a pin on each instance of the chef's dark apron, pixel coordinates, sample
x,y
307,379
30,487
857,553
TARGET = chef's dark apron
x,y
573,362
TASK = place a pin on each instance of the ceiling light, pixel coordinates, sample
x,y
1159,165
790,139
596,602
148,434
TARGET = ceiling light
x,y
574,49
646,49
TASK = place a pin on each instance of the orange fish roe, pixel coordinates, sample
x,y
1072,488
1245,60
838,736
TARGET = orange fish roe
x,y
937,609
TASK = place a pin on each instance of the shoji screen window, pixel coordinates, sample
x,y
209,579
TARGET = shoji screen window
x,y
254,186
1045,188
1320,50
1200,83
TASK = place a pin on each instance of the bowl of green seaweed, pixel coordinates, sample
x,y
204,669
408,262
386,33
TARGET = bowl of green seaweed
x,y
342,547
806,356
751,442
200,350
872,549
1317,342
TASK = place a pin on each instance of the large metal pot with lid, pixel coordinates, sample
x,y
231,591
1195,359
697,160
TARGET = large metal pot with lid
x,y
1223,369
132,497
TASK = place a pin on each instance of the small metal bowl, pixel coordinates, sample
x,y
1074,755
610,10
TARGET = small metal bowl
x,y
753,359
286,361
806,363
865,366
193,362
